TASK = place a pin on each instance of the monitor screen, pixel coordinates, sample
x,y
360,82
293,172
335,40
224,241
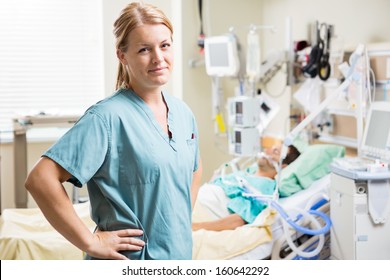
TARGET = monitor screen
x,y
238,136
378,130
221,56
376,139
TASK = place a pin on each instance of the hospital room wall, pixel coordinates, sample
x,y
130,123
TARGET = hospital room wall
x,y
354,21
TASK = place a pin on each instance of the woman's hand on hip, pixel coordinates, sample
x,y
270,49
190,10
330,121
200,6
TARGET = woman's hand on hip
x,y
107,244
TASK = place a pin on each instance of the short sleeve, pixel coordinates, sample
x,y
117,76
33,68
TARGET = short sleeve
x,y
82,150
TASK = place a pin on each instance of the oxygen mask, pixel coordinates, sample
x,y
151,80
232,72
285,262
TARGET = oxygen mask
x,y
269,159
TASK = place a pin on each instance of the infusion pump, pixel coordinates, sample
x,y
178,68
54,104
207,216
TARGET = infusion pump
x,y
243,111
244,141
247,118
244,116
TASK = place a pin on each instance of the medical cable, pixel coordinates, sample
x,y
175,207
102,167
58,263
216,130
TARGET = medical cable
x,y
368,68
374,85
201,33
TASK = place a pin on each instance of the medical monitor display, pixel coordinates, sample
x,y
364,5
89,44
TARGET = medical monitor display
x,y
239,107
221,57
378,135
218,55
376,140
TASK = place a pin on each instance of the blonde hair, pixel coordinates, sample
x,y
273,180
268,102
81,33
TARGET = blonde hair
x,y
133,15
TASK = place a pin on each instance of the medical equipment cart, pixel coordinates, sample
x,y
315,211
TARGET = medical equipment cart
x,y
360,213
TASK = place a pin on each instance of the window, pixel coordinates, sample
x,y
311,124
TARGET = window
x,y
51,57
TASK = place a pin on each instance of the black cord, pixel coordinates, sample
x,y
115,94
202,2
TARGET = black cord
x,y
200,4
201,34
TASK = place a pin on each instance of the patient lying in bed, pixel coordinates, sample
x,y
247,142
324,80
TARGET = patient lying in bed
x,y
255,240
241,209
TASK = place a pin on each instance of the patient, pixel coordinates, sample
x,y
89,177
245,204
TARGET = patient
x,y
244,210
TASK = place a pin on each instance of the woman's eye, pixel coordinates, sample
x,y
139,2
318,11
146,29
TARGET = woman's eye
x,y
166,45
143,50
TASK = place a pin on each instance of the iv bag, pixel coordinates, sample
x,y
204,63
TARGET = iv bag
x,y
253,56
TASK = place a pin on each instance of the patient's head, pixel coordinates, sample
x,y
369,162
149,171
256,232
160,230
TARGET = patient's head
x,y
268,162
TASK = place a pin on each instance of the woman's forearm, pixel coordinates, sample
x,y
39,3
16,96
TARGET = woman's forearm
x,y
47,190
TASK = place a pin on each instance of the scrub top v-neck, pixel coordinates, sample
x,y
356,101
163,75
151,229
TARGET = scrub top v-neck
x,y
138,176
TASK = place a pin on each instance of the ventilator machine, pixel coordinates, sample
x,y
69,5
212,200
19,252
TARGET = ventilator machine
x,y
360,194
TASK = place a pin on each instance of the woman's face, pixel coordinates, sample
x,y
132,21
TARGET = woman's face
x,y
149,56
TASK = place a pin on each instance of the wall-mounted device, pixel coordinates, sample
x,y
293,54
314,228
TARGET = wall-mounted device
x,y
221,56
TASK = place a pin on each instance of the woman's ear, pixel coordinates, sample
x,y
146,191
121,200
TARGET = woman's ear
x,y
121,56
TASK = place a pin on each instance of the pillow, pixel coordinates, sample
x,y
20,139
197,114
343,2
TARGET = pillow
x,y
310,166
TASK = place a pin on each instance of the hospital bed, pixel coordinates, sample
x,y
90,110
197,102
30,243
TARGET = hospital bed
x,y
26,234
306,183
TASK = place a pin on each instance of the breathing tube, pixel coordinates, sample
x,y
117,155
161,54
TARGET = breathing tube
x,y
293,223
303,213
299,228
297,250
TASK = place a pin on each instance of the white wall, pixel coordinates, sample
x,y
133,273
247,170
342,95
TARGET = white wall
x,y
355,21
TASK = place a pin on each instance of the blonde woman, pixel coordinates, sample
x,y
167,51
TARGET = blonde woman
x,y
137,152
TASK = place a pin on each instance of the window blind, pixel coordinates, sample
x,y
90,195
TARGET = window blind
x,y
51,57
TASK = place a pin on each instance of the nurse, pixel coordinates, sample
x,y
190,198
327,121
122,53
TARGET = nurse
x,y
137,152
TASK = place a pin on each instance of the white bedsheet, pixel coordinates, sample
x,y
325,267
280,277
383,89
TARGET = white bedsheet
x,y
25,234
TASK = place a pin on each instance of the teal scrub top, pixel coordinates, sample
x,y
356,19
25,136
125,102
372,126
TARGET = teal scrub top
x,y
137,176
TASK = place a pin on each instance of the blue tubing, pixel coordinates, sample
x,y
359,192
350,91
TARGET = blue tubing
x,y
315,206
312,211
324,229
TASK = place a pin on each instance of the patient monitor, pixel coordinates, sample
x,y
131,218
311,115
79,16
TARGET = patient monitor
x,y
221,56
376,137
